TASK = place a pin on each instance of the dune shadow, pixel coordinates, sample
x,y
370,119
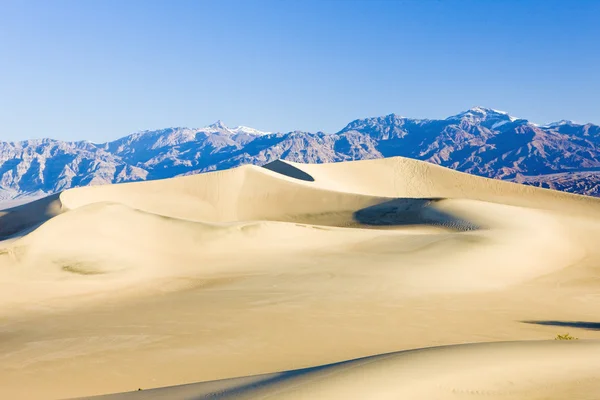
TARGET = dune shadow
x,y
410,211
595,326
25,217
230,387
247,386
288,170
385,213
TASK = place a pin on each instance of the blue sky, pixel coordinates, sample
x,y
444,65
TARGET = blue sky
x,y
99,70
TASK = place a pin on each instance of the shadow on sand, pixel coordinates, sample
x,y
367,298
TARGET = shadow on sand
x,y
594,326
220,388
411,211
286,169
22,218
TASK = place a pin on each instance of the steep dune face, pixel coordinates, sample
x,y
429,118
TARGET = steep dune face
x,y
304,263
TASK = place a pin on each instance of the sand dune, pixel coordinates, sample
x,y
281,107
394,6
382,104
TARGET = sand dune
x,y
258,270
507,370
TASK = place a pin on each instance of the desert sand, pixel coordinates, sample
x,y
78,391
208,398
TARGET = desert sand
x,y
378,279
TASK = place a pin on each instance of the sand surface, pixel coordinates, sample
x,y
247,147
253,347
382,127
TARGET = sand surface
x,y
339,281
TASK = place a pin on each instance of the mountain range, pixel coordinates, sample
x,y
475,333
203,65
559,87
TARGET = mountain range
x,y
481,141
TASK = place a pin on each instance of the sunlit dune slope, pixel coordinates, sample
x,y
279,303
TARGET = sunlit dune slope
x,y
516,370
257,270
134,232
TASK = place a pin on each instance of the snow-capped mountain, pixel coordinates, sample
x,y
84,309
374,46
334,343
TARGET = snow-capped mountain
x,y
560,123
482,141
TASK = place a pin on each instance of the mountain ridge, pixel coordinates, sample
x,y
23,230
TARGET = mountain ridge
x,y
482,141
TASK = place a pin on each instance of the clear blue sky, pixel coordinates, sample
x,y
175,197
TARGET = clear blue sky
x,y
99,70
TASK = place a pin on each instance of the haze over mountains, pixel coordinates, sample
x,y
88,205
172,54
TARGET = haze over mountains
x,y
486,142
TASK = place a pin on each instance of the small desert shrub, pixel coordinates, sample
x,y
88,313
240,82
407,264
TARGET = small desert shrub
x,y
566,336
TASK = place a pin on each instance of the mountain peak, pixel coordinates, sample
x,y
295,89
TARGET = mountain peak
x,y
248,131
479,114
560,123
482,110
218,125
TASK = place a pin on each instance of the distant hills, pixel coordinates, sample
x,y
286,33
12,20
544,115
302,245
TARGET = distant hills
x,y
482,141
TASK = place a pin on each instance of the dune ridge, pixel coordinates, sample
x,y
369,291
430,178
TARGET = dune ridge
x,y
309,264
548,370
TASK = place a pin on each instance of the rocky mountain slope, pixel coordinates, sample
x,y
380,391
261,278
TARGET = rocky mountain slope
x,y
563,155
